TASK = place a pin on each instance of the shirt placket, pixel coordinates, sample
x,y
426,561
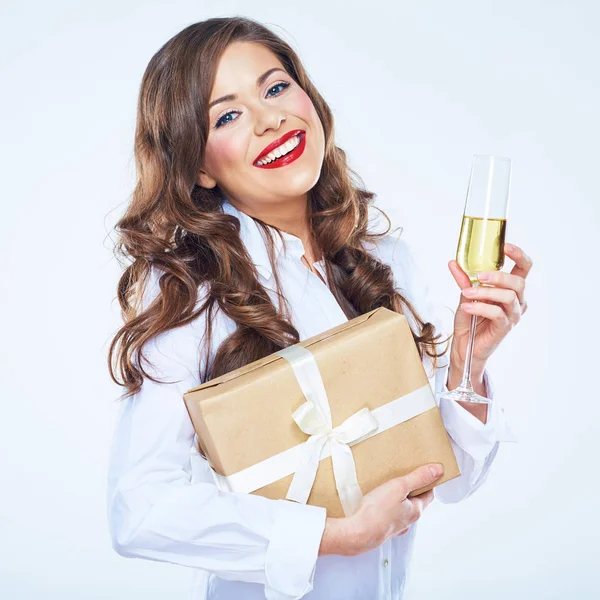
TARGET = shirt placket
x,y
328,305
385,570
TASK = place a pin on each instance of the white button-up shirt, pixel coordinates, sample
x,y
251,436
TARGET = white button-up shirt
x,y
162,502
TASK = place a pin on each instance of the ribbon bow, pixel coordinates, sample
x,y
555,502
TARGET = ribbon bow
x,y
314,418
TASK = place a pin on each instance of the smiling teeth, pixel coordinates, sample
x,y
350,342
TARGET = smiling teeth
x,y
279,151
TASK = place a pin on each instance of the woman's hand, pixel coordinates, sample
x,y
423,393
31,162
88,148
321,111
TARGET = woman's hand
x,y
384,512
500,308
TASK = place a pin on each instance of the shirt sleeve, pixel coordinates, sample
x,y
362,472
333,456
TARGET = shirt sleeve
x,y
156,512
474,443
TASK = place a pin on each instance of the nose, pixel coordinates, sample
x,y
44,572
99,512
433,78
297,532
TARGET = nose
x,y
268,117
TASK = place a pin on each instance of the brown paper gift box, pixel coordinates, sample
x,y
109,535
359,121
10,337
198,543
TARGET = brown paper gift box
x,y
244,416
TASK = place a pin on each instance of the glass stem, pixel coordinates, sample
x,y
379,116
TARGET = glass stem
x,y
465,384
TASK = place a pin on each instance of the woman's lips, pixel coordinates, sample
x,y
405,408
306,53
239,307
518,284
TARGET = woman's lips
x,y
290,157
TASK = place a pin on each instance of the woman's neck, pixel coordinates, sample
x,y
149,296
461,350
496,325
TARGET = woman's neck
x,y
290,216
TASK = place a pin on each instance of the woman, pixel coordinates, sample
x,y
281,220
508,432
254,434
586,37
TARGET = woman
x,y
248,233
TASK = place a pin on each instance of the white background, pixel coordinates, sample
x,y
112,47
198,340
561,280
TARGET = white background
x,y
416,89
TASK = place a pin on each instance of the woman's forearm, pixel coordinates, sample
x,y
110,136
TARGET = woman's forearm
x,y
338,538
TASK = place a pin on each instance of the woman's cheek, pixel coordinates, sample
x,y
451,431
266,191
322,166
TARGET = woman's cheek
x,y
303,106
225,151
305,110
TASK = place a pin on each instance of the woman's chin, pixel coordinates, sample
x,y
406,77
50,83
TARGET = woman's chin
x,y
291,189
287,181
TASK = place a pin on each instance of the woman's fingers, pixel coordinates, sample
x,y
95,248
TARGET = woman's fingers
x,y
492,294
523,262
427,498
505,298
504,280
493,312
422,501
461,278
515,280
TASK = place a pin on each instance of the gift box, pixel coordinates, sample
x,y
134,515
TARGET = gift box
x,y
326,420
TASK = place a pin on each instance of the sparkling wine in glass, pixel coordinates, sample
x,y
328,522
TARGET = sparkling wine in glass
x,y
481,242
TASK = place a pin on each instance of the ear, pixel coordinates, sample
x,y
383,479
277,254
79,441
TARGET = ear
x,y
205,180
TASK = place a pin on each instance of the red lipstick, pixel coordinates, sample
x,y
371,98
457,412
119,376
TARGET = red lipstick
x,y
287,158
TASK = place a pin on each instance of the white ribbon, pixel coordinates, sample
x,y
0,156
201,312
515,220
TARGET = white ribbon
x,y
314,418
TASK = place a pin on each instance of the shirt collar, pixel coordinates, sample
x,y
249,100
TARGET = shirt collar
x,y
252,237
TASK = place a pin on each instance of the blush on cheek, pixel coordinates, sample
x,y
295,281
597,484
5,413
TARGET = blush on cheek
x,y
303,106
224,153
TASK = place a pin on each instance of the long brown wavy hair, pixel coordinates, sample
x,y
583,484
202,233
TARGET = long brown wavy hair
x,y
175,225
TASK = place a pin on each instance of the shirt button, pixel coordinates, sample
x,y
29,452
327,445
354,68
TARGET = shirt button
x,y
385,562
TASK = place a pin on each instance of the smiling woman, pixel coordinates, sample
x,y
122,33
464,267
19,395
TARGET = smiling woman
x,y
248,233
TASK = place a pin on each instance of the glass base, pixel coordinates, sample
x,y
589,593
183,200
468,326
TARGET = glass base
x,y
465,395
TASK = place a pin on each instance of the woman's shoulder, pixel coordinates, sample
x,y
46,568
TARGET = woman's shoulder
x,y
390,244
393,250
391,247
410,278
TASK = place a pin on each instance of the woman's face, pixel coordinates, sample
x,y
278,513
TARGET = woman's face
x,y
267,106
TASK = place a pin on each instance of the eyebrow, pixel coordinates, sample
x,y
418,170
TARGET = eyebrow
x,y
259,82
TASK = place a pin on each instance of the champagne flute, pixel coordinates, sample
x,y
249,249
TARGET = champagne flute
x,y
481,242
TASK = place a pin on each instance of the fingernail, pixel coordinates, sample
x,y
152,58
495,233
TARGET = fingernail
x,y
483,276
509,246
469,291
436,470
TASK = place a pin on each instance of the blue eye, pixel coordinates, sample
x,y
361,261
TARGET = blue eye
x,y
224,120
281,83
